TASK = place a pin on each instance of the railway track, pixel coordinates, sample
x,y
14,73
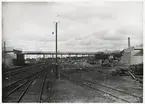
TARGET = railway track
x,y
22,86
24,73
20,70
17,81
41,89
102,85
79,70
112,92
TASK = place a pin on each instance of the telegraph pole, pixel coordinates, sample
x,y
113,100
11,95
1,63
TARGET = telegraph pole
x,y
57,70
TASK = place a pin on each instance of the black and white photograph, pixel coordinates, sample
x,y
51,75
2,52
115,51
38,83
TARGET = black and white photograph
x,y
85,51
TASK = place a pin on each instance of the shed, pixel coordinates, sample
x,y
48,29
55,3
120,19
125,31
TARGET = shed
x,y
12,57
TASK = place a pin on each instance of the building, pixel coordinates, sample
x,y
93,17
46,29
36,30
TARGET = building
x,y
12,57
132,55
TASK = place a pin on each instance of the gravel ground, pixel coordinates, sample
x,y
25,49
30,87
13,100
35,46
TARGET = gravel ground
x,y
123,83
66,92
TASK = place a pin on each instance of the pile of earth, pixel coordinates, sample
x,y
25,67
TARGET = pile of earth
x,y
120,72
137,69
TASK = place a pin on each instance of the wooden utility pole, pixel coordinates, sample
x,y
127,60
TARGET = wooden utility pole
x,y
57,70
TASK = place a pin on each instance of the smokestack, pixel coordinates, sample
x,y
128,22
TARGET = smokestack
x,y
128,42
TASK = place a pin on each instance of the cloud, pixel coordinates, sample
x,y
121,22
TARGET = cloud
x,y
83,26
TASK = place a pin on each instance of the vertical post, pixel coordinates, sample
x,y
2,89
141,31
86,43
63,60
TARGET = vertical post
x,y
128,42
69,56
4,53
3,64
57,71
61,58
52,56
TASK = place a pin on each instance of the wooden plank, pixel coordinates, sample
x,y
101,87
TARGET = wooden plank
x,y
132,75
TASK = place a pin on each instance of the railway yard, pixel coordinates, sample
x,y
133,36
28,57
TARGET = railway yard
x,y
79,82
72,52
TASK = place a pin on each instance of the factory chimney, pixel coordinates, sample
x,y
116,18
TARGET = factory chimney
x,y
128,42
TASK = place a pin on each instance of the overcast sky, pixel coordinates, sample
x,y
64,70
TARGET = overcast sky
x,y
83,27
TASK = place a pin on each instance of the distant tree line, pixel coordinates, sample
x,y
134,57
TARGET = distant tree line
x,y
104,56
101,55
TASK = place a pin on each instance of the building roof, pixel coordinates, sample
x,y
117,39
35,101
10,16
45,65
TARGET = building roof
x,y
128,49
11,49
140,53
